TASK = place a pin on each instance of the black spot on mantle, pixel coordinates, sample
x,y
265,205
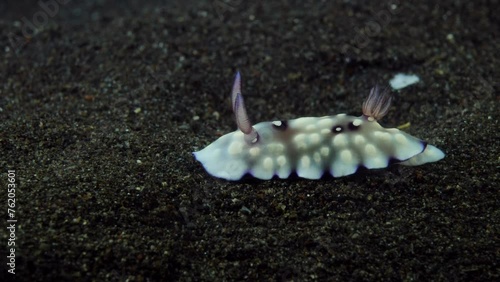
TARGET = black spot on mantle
x,y
282,127
337,129
353,127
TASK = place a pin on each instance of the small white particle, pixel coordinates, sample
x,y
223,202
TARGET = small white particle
x,y
357,122
268,163
281,160
277,123
216,115
402,80
305,161
371,118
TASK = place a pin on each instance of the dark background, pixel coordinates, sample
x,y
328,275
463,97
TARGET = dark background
x,y
101,107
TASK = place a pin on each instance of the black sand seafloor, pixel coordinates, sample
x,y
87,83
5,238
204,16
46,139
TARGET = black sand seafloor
x,y
103,102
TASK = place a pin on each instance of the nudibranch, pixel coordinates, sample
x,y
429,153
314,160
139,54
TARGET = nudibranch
x,y
313,146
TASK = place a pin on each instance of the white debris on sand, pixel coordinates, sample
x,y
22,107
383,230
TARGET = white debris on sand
x,y
402,80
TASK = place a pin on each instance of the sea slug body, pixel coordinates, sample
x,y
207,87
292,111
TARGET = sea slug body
x,y
313,146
